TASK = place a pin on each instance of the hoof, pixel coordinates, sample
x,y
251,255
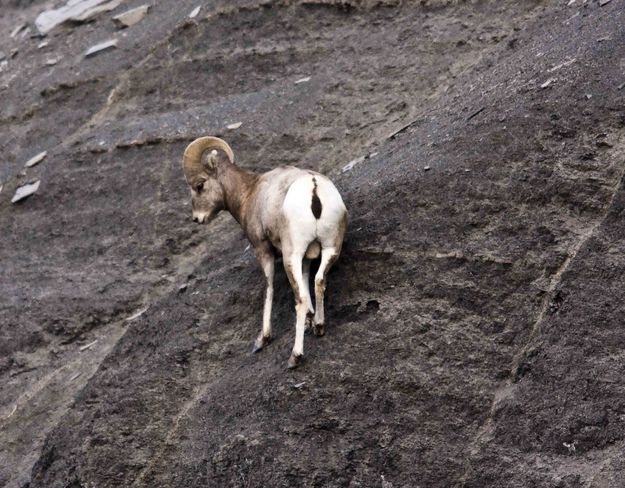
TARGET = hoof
x,y
259,343
319,329
295,361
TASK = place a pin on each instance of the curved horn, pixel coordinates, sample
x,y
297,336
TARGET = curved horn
x,y
192,159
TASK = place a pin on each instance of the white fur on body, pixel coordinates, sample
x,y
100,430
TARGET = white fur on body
x,y
302,230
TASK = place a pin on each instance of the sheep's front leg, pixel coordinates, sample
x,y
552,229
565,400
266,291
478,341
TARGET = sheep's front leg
x,y
293,268
267,261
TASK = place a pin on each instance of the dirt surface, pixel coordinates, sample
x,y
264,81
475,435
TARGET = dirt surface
x,y
475,329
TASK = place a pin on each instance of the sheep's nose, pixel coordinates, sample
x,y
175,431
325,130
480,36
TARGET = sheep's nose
x,y
196,219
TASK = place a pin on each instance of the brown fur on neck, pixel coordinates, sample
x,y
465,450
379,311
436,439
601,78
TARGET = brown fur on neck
x,y
237,184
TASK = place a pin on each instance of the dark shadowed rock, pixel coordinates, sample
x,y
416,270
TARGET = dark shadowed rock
x,y
474,334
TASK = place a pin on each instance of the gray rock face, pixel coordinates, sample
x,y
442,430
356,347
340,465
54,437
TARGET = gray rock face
x,y
474,334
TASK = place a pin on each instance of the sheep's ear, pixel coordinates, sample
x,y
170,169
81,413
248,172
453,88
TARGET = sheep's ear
x,y
212,159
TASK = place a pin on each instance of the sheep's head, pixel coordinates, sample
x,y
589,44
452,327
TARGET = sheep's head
x,y
207,198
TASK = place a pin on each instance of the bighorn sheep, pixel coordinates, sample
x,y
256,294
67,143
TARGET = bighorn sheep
x,y
299,213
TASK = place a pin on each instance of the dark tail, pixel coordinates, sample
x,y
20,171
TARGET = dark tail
x,y
315,205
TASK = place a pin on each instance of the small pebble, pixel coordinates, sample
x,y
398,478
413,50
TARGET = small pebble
x,y
548,82
351,164
25,191
137,314
17,30
112,43
131,17
36,159
88,346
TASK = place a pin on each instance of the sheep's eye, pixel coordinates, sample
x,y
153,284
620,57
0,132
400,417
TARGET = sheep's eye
x,y
199,187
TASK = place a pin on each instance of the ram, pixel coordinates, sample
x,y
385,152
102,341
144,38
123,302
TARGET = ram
x,y
298,213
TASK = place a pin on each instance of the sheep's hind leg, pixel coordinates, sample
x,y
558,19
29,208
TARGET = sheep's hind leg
x,y
306,278
267,261
293,268
328,256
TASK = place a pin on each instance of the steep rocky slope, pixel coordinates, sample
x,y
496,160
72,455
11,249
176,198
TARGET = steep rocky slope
x,y
475,316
